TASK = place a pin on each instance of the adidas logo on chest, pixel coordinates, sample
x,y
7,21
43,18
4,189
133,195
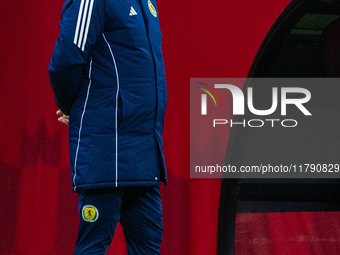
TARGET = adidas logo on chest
x,y
132,11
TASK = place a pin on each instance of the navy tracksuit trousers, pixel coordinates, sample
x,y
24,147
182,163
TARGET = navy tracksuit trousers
x,y
139,211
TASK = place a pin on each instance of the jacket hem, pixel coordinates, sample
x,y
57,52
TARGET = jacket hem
x,y
82,187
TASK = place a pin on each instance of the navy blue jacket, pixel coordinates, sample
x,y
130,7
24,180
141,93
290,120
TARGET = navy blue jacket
x,y
107,73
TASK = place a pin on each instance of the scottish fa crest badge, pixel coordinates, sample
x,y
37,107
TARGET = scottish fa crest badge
x,y
152,9
90,213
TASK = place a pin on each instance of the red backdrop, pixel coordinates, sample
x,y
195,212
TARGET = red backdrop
x,y
38,209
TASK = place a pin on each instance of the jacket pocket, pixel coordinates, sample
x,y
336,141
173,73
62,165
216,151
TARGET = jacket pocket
x,y
120,111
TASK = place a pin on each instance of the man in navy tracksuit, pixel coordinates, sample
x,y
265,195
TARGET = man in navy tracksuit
x,y
107,73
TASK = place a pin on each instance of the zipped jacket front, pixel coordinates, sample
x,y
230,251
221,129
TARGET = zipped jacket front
x,y
107,73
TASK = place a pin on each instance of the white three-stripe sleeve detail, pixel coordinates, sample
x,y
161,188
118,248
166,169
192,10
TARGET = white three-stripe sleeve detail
x,y
81,127
83,24
116,111
76,34
87,25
